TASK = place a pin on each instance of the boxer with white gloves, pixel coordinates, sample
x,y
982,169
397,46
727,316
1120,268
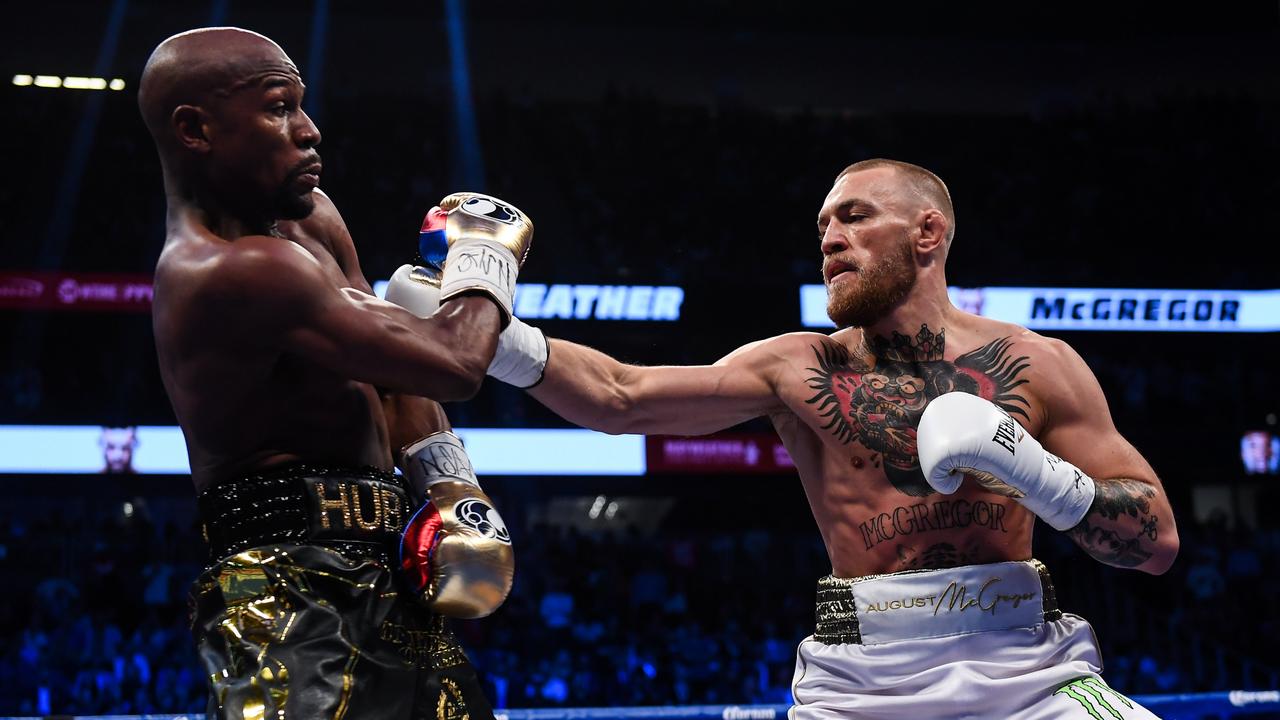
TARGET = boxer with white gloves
x,y
935,608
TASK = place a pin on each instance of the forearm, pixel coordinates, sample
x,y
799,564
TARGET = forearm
x,y
585,387
410,418
1129,525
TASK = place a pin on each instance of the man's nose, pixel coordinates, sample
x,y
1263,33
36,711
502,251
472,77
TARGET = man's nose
x,y
833,241
308,135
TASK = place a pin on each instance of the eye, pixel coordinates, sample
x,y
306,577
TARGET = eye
x,y
281,108
856,217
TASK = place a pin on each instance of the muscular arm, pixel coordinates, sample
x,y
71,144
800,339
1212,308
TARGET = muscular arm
x,y
591,389
409,419
1130,523
279,295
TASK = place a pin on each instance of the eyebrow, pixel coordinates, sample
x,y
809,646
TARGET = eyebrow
x,y
845,207
275,81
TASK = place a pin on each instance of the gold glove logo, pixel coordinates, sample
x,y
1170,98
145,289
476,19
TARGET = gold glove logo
x,y
490,210
478,516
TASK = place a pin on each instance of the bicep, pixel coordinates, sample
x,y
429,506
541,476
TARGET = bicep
x,y
1079,427
369,340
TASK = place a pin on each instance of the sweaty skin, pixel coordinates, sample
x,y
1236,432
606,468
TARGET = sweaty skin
x,y
846,405
271,345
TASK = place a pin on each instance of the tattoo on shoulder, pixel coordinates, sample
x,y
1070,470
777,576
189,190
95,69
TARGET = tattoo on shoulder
x,y
1099,533
878,401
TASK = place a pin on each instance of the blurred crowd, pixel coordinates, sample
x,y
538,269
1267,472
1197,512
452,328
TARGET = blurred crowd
x,y
97,618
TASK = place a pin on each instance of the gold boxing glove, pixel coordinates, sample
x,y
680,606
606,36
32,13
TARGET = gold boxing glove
x,y
488,241
455,551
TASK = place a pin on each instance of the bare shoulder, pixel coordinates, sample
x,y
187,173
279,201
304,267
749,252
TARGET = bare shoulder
x,y
255,276
1057,375
1048,355
257,262
1046,352
779,348
326,226
325,222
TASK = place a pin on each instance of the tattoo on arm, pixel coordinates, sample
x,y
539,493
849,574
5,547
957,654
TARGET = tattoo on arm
x,y
1114,528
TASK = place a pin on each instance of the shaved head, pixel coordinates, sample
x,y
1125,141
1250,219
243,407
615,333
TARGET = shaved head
x,y
197,66
224,107
927,187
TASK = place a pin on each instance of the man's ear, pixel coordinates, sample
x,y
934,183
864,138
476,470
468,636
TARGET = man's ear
x,y
933,231
190,125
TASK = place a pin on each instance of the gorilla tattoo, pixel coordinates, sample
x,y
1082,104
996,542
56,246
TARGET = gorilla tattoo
x,y
880,404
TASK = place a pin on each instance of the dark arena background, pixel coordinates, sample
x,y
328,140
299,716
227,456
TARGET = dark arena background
x,y
1115,176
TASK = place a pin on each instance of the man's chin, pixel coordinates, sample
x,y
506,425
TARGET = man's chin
x,y
298,207
851,310
845,318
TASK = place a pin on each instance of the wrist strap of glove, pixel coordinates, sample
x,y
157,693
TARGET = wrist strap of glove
x,y
439,457
522,353
484,266
1063,495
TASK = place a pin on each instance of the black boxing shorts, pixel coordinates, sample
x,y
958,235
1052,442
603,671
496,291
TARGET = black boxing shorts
x,y
301,614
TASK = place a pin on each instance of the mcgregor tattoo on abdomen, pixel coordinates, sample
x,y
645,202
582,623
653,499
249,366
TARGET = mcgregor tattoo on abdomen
x,y
927,517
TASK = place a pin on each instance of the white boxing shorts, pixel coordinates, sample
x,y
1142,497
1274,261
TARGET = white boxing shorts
x,y
978,641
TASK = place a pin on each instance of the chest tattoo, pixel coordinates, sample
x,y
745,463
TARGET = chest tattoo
x,y
878,400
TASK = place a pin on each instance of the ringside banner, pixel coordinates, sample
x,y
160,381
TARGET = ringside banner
x,y
537,301
534,301
755,453
75,291
161,450
1113,309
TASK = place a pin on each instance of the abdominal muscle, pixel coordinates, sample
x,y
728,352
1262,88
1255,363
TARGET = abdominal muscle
x,y
870,527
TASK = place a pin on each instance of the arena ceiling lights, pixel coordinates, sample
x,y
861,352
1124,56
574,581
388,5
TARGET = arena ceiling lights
x,y
68,82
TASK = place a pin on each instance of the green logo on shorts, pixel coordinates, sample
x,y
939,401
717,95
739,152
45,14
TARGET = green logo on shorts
x,y
1095,697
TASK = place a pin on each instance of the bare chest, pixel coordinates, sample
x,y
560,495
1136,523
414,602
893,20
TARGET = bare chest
x,y
865,408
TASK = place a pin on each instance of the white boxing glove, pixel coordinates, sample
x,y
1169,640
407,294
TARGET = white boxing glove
x,y
963,434
416,289
522,349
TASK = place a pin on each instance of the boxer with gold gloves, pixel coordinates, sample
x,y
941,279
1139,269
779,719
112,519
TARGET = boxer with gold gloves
x,y
296,388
